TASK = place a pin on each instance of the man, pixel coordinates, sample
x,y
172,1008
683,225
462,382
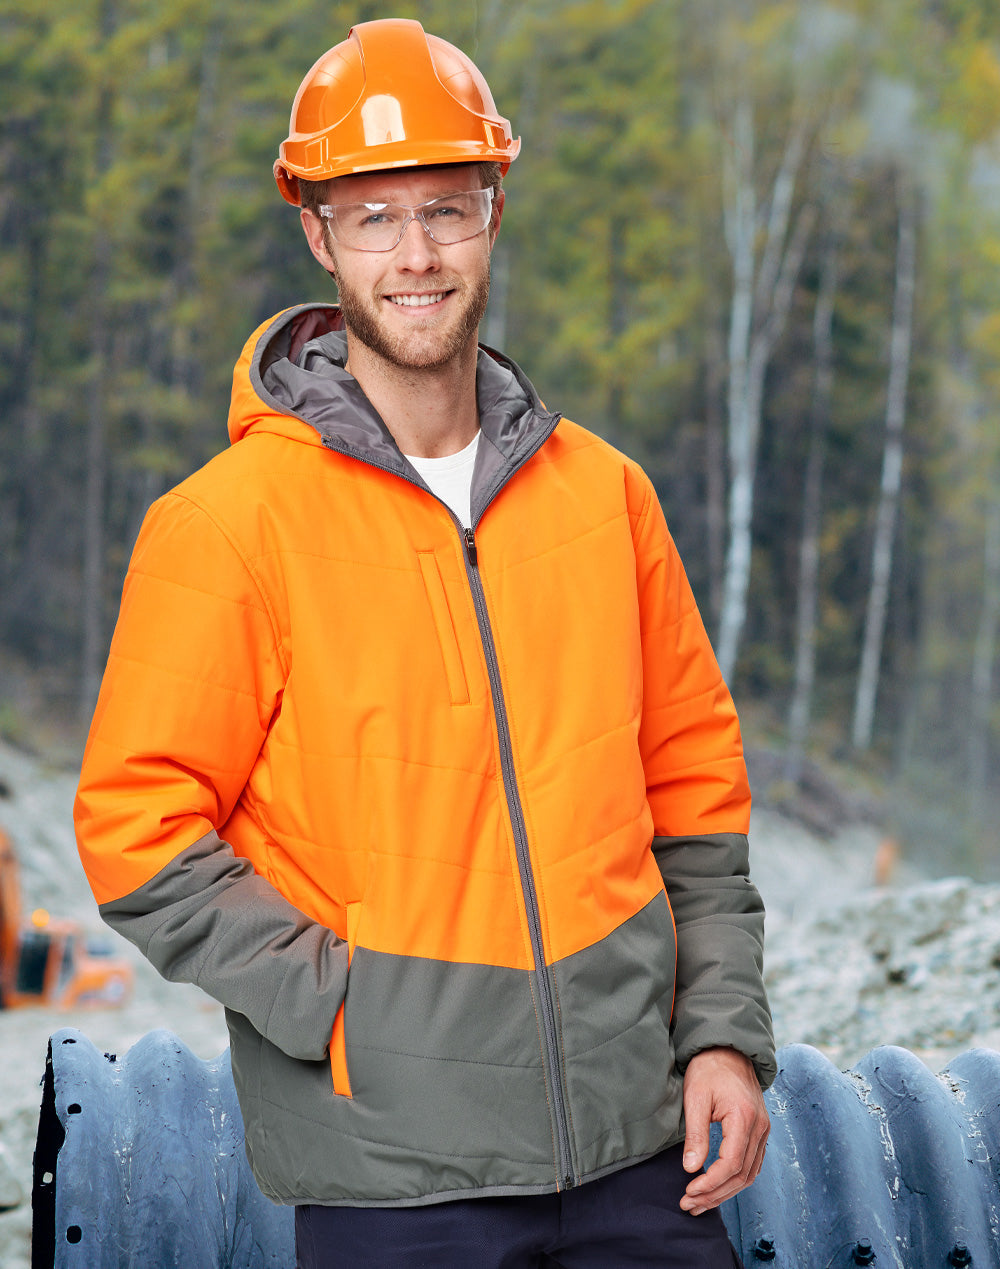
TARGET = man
x,y
410,727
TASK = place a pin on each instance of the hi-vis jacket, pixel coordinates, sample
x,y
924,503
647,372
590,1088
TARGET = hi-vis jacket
x,y
410,801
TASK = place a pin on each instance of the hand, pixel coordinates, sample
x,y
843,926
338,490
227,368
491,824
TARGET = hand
x,y
720,1087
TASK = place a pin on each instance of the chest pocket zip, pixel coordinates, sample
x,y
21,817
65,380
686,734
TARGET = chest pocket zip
x,y
458,685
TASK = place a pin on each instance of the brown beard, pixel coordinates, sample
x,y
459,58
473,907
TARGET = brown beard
x,y
363,323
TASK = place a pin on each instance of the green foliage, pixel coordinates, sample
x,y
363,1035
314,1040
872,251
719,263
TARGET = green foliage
x,y
142,240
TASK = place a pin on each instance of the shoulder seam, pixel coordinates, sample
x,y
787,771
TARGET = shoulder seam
x,y
266,605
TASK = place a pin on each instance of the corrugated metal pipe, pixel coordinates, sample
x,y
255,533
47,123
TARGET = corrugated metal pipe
x,y
886,1164
140,1161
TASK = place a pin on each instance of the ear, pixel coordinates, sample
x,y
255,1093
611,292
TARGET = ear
x,y
496,216
312,227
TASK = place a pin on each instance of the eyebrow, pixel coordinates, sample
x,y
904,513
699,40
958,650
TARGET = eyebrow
x,y
382,200
395,202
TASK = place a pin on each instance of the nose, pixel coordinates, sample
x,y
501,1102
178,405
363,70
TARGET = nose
x,y
416,249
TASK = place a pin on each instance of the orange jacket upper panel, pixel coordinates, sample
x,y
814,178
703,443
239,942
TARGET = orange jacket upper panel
x,y
298,666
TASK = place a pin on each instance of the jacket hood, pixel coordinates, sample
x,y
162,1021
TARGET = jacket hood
x,y
291,379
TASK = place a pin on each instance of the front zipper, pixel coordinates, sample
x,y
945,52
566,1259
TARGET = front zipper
x,y
550,1034
552,1049
470,547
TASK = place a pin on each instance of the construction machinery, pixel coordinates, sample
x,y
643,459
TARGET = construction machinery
x,y
49,961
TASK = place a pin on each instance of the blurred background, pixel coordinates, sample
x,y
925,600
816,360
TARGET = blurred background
x,y
756,245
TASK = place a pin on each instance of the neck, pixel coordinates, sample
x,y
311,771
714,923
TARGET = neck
x,y
430,411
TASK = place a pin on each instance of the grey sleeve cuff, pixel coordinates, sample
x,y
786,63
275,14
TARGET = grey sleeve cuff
x,y
720,999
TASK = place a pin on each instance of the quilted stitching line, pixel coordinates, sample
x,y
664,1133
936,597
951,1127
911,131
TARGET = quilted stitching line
x,y
250,571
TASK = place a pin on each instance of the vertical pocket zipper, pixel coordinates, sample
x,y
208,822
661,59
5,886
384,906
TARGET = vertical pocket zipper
x,y
458,686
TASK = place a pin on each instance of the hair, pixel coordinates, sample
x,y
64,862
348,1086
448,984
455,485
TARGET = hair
x,y
313,194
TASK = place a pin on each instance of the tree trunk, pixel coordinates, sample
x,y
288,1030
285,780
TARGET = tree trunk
x,y
892,468
983,660
617,325
741,221
92,603
715,464
809,553
760,303
24,522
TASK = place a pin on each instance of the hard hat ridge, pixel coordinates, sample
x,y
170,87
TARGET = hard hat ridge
x,y
390,95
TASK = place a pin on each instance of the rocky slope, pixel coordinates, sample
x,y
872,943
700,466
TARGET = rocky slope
x,y
850,965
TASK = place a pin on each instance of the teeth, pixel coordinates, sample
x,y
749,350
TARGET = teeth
x,y
417,301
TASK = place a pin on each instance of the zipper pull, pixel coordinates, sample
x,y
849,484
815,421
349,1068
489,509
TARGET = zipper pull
x,y
470,547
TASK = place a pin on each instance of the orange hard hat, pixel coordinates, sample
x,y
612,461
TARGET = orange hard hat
x,y
390,96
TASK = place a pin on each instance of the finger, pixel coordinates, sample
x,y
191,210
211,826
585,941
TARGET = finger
x,y
697,1120
705,1190
723,1179
714,1198
711,1190
758,1162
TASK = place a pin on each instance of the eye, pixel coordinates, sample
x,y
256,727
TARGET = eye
x,y
373,215
454,207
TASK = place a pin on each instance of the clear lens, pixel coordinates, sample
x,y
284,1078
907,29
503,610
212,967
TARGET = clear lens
x,y
380,226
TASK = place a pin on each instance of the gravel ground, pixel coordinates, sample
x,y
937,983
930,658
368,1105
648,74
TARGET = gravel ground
x,y
36,813
849,966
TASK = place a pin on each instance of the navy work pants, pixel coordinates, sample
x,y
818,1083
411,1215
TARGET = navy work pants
x,y
630,1218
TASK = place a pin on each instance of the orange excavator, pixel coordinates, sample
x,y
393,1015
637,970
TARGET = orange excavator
x,y
51,962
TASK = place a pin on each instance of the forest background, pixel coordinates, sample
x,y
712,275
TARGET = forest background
x,y
757,246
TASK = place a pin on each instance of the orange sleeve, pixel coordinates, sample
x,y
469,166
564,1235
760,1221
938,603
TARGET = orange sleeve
x,y
689,737
193,677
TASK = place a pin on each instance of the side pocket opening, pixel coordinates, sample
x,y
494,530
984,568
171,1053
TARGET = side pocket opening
x,y
338,1038
673,926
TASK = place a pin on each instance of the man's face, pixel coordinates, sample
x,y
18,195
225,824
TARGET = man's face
x,y
419,305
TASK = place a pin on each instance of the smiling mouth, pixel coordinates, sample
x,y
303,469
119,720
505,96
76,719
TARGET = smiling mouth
x,y
423,300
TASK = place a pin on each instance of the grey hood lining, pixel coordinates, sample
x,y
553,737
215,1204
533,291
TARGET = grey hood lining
x,y
298,369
